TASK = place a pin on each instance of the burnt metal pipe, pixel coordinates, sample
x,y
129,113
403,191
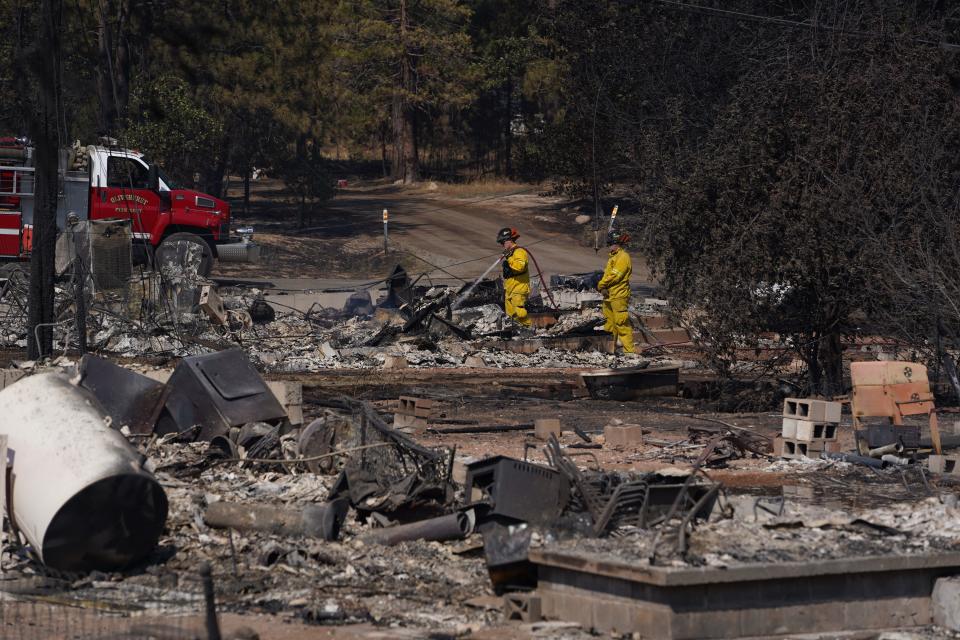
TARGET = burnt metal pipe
x,y
314,521
892,459
853,458
879,452
455,526
80,494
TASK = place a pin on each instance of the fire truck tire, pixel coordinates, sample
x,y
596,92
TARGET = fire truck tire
x,y
182,248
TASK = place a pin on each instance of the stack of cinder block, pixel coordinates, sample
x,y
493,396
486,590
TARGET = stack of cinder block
x,y
809,427
413,413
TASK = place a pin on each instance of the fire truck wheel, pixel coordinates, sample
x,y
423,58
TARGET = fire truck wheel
x,y
185,251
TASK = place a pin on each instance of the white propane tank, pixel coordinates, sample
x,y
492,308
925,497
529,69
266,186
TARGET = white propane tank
x,y
79,494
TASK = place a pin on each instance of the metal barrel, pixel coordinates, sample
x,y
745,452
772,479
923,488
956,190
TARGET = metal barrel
x,y
80,494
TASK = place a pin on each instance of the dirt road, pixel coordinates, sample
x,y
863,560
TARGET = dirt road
x,y
462,232
457,234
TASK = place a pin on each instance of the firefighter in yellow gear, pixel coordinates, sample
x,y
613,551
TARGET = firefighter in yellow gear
x,y
615,287
516,276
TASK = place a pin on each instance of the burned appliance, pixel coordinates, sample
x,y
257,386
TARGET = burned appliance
x,y
517,490
214,392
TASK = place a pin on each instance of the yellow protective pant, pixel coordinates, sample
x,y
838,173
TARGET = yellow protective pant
x,y
618,321
515,304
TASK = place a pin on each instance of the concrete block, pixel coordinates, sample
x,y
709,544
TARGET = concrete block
x,y
812,410
413,406
475,362
809,431
543,427
834,446
778,446
290,396
413,413
395,362
944,464
459,472
212,305
789,428
627,435
946,603
793,448
409,423
522,606
788,448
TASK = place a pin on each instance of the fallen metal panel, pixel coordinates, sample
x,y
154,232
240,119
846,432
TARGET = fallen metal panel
x,y
128,398
230,373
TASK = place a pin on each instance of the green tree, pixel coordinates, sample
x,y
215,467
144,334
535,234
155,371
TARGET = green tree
x,y
403,61
813,153
174,127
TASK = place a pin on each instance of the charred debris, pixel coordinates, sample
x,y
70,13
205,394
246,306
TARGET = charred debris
x,y
349,509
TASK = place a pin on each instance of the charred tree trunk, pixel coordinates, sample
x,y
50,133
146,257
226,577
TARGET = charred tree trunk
x,y
113,63
106,89
121,68
383,155
508,132
43,129
406,167
410,159
246,190
810,356
396,122
215,175
831,361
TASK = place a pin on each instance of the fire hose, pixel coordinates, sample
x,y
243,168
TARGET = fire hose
x,y
543,280
466,294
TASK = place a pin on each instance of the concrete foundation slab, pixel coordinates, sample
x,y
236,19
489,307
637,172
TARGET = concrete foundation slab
x,y
760,599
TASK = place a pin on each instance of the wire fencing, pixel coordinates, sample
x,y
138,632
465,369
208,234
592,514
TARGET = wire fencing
x,y
38,608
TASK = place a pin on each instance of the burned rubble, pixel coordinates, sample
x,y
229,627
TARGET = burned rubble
x,y
415,460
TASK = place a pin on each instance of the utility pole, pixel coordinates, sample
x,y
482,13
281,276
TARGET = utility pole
x,y
44,131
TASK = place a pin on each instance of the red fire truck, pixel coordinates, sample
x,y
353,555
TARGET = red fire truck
x,y
109,183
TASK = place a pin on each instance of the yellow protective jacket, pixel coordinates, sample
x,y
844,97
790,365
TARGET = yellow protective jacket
x,y
615,282
516,274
